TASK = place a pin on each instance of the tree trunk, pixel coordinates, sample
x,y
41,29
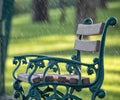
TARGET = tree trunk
x,y
62,9
2,60
5,26
101,3
85,9
40,10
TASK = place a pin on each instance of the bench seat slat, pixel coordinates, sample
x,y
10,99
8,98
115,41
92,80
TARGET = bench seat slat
x,y
24,77
89,46
92,29
37,77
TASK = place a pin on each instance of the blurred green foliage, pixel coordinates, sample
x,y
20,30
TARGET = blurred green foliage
x,y
55,3
25,6
22,6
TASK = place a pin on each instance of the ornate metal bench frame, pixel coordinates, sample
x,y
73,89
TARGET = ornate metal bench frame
x,y
44,83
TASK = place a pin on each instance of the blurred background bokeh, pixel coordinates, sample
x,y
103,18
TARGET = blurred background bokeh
x,y
48,27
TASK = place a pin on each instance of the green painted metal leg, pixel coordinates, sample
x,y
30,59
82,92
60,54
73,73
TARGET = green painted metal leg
x,y
18,90
34,93
100,93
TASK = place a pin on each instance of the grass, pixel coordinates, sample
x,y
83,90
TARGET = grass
x,y
57,40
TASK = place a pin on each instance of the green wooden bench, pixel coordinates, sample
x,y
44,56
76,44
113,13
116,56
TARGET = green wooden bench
x,y
53,78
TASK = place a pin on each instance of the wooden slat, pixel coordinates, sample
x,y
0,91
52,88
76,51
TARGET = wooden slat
x,y
24,77
49,78
62,78
73,79
89,46
36,78
91,29
85,80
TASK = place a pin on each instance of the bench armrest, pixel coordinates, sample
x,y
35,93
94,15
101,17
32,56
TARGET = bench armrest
x,y
23,59
72,66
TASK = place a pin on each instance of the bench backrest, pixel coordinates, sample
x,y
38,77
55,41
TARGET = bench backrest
x,y
87,29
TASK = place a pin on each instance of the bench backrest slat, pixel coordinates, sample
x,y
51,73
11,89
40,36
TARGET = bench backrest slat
x,y
92,29
89,46
82,44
